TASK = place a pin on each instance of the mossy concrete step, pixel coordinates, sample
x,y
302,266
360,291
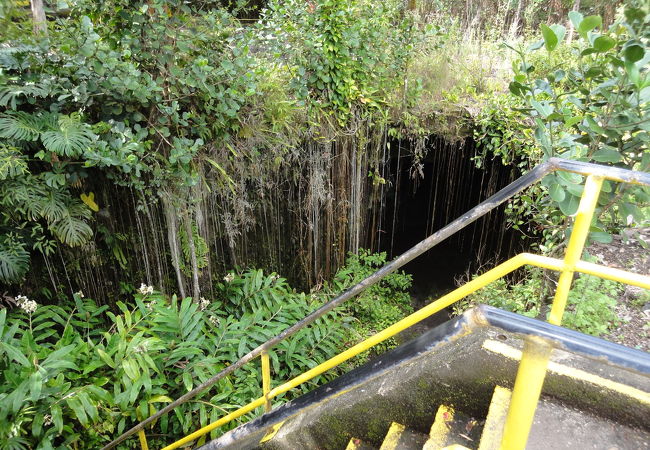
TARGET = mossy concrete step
x,y
496,417
452,428
560,427
401,438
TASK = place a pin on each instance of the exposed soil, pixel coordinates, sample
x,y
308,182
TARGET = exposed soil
x,y
629,251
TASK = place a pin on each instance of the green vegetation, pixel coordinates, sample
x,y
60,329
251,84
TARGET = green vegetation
x,y
78,374
171,141
593,109
590,307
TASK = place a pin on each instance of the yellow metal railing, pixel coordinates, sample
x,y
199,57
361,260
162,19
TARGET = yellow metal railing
x,y
537,351
532,369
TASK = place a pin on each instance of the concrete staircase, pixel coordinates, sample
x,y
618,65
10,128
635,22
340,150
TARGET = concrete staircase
x,y
453,430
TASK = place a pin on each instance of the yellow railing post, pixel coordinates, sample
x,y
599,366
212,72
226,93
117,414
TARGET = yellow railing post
x,y
537,351
266,380
143,440
576,245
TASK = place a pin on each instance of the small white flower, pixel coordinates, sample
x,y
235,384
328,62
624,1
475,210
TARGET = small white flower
x,y
214,320
47,420
203,304
145,290
228,278
150,305
29,306
80,294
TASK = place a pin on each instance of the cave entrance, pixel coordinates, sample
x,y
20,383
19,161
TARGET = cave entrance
x,y
430,193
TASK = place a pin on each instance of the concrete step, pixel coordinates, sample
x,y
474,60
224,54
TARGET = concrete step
x,y
401,438
452,428
559,427
493,428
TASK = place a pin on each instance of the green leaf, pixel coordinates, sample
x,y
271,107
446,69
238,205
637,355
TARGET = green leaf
x,y
633,52
559,31
57,416
550,38
557,192
106,358
19,396
72,230
70,138
604,43
594,126
15,354
535,46
571,121
57,356
12,162
160,399
601,236
589,23
576,18
75,404
609,155
35,386
89,407
187,381
544,109
20,125
569,206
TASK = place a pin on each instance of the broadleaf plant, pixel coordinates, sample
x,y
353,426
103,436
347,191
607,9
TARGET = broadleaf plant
x,y
596,110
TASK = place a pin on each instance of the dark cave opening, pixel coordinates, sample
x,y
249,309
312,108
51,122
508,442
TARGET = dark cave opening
x,y
428,194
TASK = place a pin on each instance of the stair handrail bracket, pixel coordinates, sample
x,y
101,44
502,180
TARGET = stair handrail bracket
x,y
532,368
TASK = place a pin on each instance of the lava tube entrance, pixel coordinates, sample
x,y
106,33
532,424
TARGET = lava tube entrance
x,y
431,192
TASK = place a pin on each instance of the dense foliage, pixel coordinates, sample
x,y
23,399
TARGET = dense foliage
x,y
76,375
170,141
591,103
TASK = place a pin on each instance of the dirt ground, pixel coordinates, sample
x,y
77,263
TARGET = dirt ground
x,y
629,251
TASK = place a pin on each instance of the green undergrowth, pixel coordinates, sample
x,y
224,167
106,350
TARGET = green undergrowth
x,y
78,375
590,307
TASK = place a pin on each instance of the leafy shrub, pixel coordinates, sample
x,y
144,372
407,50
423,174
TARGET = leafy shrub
x,y
521,298
377,307
590,306
80,375
592,108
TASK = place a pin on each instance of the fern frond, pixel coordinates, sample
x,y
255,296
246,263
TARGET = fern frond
x,y
12,162
11,92
14,259
72,230
12,57
70,138
20,125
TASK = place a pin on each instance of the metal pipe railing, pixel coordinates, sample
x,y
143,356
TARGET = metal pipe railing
x,y
553,164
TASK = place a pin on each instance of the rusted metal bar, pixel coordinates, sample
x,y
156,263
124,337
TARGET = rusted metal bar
x,y
536,174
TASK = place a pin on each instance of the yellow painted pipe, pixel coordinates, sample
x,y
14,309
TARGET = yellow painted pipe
x,y
445,301
224,420
143,440
528,387
532,369
266,380
576,244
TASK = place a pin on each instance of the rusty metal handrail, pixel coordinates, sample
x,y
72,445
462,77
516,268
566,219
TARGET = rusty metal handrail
x,y
552,165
